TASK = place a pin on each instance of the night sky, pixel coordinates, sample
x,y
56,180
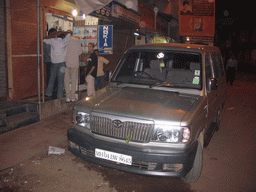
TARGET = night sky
x,y
236,9
239,17
243,10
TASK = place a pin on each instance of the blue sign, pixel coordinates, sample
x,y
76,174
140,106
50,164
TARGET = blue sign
x,y
105,39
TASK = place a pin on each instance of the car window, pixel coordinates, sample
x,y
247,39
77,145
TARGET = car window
x,y
220,61
129,64
151,67
217,65
208,69
183,60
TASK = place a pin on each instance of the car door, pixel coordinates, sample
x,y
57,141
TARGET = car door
x,y
214,69
221,79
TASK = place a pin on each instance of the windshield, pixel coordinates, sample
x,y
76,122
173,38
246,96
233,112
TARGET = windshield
x,y
160,68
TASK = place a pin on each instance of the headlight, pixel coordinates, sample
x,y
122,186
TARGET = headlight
x,y
171,134
82,119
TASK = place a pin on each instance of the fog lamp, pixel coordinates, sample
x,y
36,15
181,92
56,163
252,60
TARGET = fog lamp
x,y
172,167
73,145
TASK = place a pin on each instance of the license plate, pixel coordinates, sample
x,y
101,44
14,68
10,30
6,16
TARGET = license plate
x,y
111,156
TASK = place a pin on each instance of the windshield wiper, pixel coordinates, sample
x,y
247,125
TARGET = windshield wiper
x,y
162,85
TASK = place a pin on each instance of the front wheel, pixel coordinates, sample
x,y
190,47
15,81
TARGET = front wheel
x,y
194,174
218,118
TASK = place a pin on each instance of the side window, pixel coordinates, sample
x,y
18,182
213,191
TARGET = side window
x,y
208,69
130,63
217,65
220,61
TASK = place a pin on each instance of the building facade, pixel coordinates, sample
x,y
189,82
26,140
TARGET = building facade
x,y
21,66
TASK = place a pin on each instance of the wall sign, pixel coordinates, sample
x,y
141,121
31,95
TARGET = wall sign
x,y
105,39
120,11
197,18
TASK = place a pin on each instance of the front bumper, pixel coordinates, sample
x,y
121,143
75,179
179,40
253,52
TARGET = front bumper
x,y
146,163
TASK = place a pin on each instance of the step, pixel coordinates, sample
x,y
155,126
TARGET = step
x,y
2,117
19,120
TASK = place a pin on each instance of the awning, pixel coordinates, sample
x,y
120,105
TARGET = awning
x,y
88,6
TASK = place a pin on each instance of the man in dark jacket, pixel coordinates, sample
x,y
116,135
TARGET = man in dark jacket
x,y
91,71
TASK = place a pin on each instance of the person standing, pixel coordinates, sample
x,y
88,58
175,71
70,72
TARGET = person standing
x,y
58,58
231,69
74,49
47,56
99,81
91,71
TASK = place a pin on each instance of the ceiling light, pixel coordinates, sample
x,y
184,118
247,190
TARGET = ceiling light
x,y
74,12
136,33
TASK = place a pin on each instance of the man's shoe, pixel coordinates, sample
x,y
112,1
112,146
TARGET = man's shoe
x,y
68,100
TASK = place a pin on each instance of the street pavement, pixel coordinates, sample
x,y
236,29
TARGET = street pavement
x,y
29,141
228,160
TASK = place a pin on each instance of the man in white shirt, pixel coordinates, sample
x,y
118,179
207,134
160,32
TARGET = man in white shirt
x,y
74,49
99,81
58,59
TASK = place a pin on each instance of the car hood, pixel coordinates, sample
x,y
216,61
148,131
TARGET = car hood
x,y
139,103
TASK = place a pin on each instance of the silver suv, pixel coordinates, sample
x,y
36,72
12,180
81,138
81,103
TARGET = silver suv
x,y
161,107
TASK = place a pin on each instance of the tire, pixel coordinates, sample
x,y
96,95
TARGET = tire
x,y
218,118
194,174
214,127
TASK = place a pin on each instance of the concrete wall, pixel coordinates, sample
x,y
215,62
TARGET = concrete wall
x,y
3,68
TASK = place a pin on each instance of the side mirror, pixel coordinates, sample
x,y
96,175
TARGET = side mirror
x,y
213,84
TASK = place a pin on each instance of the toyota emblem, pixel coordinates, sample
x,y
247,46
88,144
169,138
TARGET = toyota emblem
x,y
117,124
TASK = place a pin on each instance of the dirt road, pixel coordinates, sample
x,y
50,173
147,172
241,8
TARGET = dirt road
x,y
229,160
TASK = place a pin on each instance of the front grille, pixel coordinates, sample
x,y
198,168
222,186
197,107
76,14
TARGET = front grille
x,y
141,132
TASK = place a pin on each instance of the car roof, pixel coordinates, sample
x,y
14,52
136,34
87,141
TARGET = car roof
x,y
178,47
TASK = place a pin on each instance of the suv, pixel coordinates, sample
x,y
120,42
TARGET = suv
x,y
161,107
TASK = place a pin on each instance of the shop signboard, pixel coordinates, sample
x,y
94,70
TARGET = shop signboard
x,y
105,39
197,18
120,11
105,11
